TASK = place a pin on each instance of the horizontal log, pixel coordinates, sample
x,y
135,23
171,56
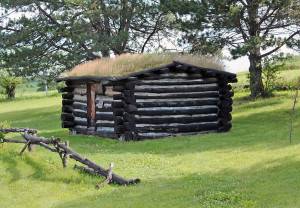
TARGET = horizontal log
x,y
67,102
106,134
177,110
118,96
128,93
173,76
80,91
80,106
67,109
67,124
103,123
174,128
207,94
226,127
128,135
67,117
153,135
80,121
118,88
118,120
80,113
67,96
225,115
176,119
15,129
118,111
80,98
130,108
129,126
118,105
161,89
224,104
226,109
178,103
80,129
67,89
119,129
177,81
104,98
105,116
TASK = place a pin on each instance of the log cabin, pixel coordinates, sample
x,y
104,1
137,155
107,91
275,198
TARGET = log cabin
x,y
169,100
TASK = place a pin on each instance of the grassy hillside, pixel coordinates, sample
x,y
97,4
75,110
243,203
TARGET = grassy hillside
x,y
253,165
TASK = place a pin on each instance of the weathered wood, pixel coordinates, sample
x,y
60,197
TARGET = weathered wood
x,y
107,133
175,127
65,155
67,96
225,115
177,119
178,103
129,126
15,129
67,109
80,98
128,135
67,102
67,89
118,88
176,88
119,129
80,91
118,104
177,81
80,106
67,117
14,141
173,76
177,110
67,124
118,120
80,113
80,121
226,127
118,96
91,111
208,94
105,116
118,111
108,177
130,108
80,129
68,150
104,123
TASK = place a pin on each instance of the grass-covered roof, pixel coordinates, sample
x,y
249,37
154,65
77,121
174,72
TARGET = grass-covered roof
x,y
128,63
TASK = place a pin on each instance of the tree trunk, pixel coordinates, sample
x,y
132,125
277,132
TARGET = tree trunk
x,y
11,92
255,69
46,87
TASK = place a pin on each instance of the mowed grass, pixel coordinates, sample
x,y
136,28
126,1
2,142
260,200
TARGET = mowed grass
x,y
253,165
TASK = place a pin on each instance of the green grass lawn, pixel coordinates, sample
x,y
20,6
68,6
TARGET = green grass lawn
x,y
253,165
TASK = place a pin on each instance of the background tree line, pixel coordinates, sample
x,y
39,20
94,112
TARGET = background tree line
x,y
45,38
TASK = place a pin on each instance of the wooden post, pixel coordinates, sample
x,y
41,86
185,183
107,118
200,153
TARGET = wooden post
x,y
65,156
91,103
31,146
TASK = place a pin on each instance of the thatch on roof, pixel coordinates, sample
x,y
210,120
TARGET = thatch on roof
x,y
128,63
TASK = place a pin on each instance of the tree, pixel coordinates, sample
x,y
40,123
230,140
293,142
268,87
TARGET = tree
x,y
61,34
9,83
256,28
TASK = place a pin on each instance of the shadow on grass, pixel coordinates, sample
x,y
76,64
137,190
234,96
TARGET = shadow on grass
x,y
271,184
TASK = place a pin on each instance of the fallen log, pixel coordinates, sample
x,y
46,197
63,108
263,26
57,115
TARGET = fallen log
x,y
64,151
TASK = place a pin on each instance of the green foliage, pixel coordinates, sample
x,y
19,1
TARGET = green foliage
x,y
3,125
271,67
283,84
246,28
53,36
8,83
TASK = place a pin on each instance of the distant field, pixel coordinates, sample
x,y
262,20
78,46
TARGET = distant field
x,y
253,165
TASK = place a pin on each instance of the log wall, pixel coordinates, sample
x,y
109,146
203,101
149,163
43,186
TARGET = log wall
x,y
174,101
164,103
